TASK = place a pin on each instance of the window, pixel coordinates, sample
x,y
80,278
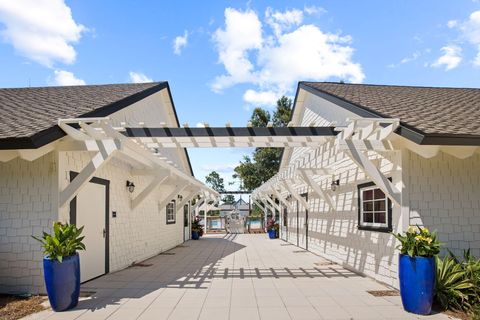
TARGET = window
x,y
374,208
185,215
285,217
170,212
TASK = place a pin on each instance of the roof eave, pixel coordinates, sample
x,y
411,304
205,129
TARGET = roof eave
x,y
53,133
404,130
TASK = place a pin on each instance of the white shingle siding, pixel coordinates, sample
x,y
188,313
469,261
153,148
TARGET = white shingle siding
x,y
28,207
135,234
29,204
441,193
445,195
25,209
334,234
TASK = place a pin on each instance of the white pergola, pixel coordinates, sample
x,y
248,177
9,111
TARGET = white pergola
x,y
145,145
354,141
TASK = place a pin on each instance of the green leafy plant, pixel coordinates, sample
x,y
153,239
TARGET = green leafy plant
x,y
196,226
458,283
418,242
63,242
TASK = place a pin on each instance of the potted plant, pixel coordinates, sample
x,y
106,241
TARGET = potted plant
x,y
271,229
416,269
196,228
61,265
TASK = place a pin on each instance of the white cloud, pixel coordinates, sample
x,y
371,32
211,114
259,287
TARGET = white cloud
x,y
280,21
242,33
41,30
311,10
260,98
200,125
452,23
275,58
137,77
451,58
469,32
180,42
220,168
66,78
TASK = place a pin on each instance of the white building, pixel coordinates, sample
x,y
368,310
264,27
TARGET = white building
x,y
402,156
50,170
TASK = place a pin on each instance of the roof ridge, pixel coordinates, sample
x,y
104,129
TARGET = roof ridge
x,y
154,83
384,85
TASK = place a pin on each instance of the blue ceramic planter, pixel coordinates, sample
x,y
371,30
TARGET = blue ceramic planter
x,y
62,281
417,283
272,234
195,235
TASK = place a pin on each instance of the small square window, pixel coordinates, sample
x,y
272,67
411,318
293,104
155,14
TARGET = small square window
x,y
170,212
374,208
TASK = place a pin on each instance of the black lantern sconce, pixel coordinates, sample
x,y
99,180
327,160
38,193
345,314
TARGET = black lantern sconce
x,y
335,184
179,197
130,186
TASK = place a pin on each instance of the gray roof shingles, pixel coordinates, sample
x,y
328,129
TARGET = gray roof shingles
x,y
25,112
431,110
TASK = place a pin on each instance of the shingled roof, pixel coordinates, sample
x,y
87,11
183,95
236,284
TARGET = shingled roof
x,y
28,116
429,113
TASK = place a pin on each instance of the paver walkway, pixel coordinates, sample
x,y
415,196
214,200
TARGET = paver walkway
x,y
240,276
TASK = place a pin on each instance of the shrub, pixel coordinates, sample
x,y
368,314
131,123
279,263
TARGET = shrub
x,y
64,242
271,224
457,283
196,226
418,241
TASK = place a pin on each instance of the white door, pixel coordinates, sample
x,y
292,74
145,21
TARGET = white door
x,y
90,213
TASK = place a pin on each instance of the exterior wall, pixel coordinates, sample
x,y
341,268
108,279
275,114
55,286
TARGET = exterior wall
x,y
135,234
445,196
29,204
26,209
334,234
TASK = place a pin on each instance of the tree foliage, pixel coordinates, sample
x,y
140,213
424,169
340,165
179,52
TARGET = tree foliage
x,y
264,163
216,182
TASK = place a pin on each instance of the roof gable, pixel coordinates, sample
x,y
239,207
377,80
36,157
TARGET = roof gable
x,y
452,112
28,116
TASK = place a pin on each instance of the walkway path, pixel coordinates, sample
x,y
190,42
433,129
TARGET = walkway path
x,y
242,276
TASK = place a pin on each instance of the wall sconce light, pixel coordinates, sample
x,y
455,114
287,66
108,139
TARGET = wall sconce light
x,y
179,197
130,186
335,184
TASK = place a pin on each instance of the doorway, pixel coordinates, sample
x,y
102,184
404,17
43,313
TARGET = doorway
x,y
90,209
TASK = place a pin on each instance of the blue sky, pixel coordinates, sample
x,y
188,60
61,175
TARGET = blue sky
x,y
222,58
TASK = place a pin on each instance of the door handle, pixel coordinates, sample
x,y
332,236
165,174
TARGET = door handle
x,y
104,233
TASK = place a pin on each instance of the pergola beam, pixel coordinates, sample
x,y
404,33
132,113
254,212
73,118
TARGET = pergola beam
x,y
374,173
172,195
296,195
149,189
187,198
282,199
107,148
318,189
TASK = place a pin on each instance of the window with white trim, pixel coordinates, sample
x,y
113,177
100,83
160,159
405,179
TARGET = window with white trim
x,y
170,212
374,208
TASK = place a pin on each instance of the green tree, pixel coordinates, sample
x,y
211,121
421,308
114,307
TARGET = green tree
x,y
260,117
216,182
264,163
281,116
228,199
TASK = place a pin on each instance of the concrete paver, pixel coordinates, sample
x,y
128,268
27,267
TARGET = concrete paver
x,y
236,276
